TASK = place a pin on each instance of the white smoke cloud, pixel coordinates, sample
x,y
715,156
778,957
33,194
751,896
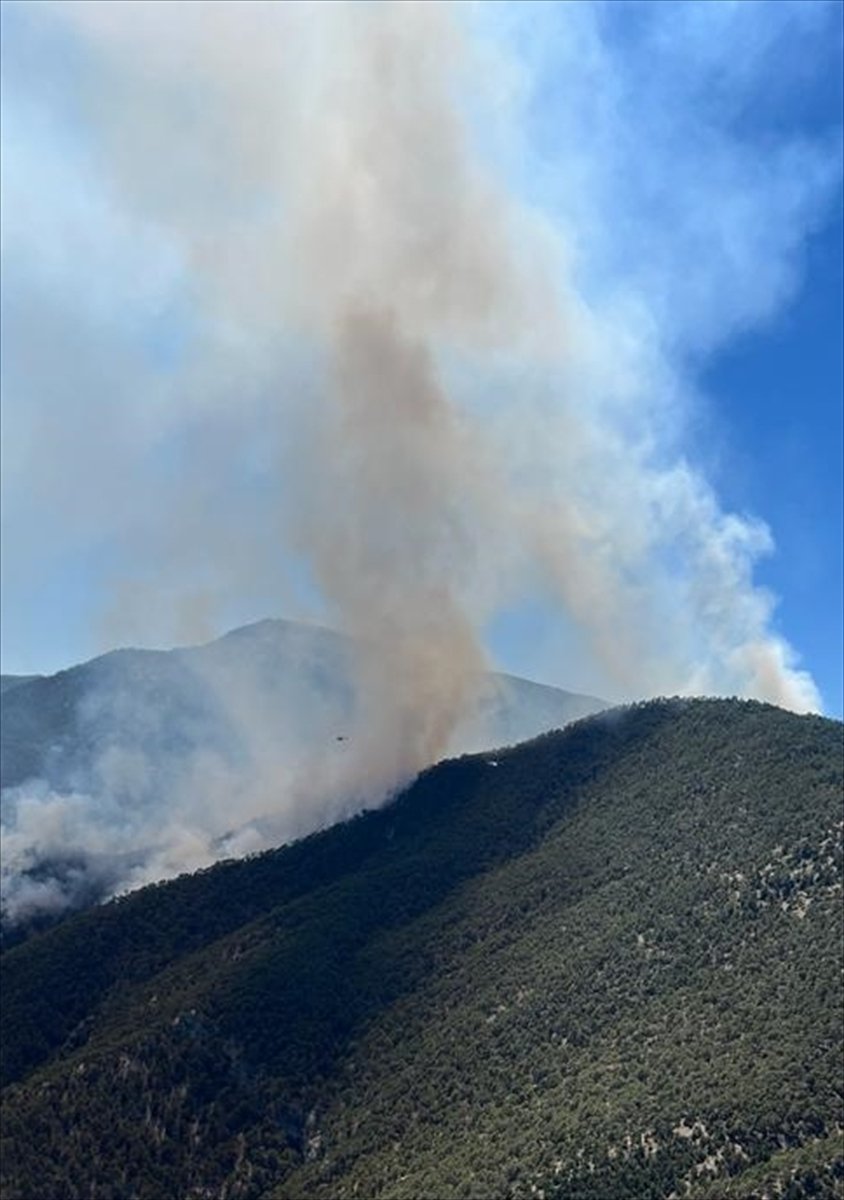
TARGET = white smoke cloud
x,y
159,785
439,341
176,760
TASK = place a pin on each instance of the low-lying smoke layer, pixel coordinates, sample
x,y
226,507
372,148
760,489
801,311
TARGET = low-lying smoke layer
x,y
141,764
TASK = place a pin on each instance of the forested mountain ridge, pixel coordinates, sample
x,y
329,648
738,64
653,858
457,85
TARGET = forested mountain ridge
x,y
604,963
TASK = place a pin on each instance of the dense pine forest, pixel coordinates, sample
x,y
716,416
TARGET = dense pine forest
x,y
604,963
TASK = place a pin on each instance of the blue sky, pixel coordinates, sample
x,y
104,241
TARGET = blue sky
x,y
777,400
687,156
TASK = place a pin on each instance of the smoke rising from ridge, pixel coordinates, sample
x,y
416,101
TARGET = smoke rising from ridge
x,y
383,244
398,376
373,208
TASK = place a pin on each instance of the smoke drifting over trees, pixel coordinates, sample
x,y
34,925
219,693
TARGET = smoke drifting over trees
x,y
396,376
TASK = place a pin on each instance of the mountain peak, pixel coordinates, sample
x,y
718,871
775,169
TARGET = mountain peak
x,y
158,761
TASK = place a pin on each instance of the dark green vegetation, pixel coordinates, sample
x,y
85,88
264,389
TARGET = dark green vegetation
x,y
603,964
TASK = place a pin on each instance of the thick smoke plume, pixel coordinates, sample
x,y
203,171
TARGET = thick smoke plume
x,y
382,245
398,378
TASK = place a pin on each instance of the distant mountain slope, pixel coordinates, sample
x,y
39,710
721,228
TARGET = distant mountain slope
x,y
603,964
9,681
167,705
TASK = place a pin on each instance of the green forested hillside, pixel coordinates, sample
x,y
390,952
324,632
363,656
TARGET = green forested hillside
x,y
606,963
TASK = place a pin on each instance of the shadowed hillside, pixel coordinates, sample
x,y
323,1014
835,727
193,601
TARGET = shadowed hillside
x,y
605,963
